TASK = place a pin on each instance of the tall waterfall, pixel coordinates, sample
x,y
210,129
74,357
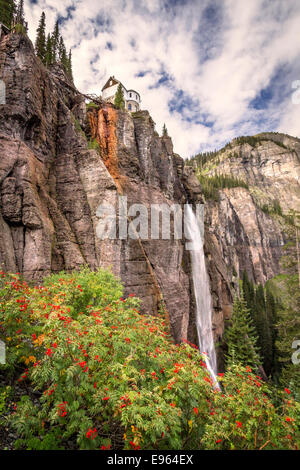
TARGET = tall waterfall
x,y
202,292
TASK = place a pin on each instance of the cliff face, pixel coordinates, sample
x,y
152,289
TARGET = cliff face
x,y
60,160
249,233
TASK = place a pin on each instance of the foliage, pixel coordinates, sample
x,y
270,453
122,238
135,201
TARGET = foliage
x,y
273,208
40,43
245,417
19,29
202,158
165,131
93,144
92,105
263,309
108,377
52,50
288,328
7,11
20,17
119,98
4,395
211,184
241,337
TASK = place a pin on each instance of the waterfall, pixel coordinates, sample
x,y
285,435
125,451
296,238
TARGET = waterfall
x,y
202,292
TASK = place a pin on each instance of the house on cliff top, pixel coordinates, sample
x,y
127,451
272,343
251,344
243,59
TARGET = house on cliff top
x,y
131,97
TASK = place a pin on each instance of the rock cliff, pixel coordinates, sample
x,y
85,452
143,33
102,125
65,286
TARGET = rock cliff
x,y
60,159
251,225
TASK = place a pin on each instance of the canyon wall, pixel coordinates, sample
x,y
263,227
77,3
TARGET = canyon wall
x,y
61,159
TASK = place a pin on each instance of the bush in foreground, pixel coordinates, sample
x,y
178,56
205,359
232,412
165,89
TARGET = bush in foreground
x,y
108,377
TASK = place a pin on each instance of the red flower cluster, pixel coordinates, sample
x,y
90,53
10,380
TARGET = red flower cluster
x,y
62,411
134,446
91,433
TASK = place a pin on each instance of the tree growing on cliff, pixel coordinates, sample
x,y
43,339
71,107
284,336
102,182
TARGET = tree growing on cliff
x,y
20,16
55,42
241,337
119,98
165,131
40,43
7,10
49,53
69,66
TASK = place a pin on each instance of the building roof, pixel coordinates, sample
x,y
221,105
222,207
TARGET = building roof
x,y
114,82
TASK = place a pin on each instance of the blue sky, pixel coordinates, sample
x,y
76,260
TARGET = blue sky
x,y
210,69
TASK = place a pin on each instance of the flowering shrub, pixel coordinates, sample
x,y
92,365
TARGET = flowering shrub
x,y
109,377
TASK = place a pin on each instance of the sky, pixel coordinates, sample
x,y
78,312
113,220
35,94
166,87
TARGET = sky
x,y
211,70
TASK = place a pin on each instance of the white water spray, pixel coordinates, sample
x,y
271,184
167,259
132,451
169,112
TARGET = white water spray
x,y
202,293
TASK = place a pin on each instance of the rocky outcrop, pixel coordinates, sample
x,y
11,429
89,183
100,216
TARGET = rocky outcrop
x,y
248,239
248,234
60,160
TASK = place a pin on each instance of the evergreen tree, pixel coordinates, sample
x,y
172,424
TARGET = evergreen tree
x,y
69,66
7,11
165,131
263,328
40,43
62,53
248,290
119,98
55,42
271,310
20,16
288,321
49,51
241,337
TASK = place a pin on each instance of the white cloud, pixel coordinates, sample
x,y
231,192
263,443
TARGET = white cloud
x,y
218,63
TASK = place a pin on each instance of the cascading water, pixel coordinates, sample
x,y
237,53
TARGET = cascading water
x,y
202,292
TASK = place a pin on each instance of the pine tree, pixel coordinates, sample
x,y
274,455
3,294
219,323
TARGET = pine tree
x,y
20,17
263,328
119,98
55,42
69,66
271,309
165,131
241,337
7,11
62,52
49,51
40,43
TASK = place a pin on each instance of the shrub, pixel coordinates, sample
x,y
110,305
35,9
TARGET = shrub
x,y
108,377
93,144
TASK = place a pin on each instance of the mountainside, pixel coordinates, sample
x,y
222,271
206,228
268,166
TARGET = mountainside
x,y
61,159
251,218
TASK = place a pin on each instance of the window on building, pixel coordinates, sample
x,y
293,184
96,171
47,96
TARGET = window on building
x,y
130,94
136,97
110,83
129,107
